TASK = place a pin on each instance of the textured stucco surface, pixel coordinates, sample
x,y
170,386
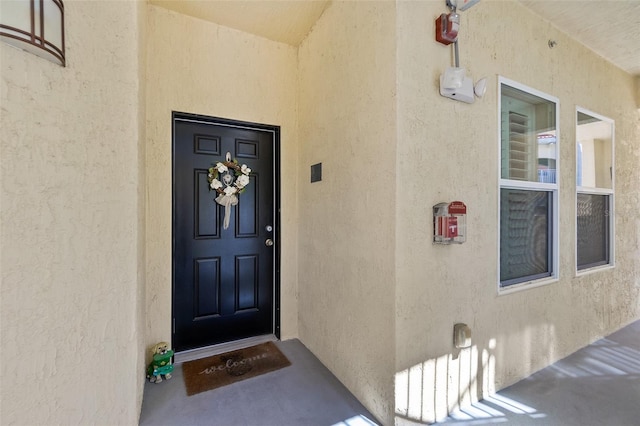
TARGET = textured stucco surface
x,y
70,311
448,150
199,67
141,307
347,123
85,198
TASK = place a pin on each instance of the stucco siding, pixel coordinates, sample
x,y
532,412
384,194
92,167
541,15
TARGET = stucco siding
x,y
347,271
199,67
86,201
448,150
70,327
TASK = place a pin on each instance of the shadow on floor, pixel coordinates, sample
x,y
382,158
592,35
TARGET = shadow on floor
x,y
597,385
305,393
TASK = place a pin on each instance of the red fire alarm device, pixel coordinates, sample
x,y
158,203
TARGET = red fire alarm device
x,y
447,26
450,223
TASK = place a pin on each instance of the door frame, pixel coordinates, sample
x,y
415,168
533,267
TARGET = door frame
x,y
218,121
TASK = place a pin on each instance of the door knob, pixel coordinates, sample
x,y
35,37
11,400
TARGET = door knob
x,y
268,242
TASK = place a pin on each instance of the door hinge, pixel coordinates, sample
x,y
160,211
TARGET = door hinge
x,y
174,326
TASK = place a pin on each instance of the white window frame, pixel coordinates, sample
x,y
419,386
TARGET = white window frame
x,y
597,191
517,184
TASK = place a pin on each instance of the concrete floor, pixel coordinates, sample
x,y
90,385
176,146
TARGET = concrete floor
x,y
305,393
598,385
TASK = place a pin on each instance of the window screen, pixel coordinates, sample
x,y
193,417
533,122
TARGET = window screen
x,y
525,235
593,230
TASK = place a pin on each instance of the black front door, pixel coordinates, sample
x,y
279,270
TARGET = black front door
x,y
223,279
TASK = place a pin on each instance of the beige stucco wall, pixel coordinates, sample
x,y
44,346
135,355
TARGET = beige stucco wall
x,y
448,150
347,221
69,248
85,198
141,306
203,68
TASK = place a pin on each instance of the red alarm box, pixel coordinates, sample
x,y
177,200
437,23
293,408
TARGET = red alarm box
x,y
450,223
447,26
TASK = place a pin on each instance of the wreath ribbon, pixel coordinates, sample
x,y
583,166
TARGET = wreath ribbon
x,y
227,201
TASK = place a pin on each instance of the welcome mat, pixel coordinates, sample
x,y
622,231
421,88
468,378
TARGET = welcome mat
x,y
219,370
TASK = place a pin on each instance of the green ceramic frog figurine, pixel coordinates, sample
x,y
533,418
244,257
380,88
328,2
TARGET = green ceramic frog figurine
x,y
161,364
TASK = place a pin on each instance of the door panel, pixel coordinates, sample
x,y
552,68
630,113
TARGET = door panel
x,y
223,279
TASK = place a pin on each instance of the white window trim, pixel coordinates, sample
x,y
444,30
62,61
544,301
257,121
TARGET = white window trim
x,y
514,184
597,191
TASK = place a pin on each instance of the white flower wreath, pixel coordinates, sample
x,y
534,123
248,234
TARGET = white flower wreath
x,y
228,186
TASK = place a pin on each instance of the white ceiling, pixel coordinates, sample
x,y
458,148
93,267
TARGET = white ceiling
x,y
286,21
611,28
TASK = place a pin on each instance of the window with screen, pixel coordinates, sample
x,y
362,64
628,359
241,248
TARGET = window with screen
x,y
595,190
528,186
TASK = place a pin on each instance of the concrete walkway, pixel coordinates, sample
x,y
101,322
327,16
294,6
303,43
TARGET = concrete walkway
x,y
305,393
598,385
